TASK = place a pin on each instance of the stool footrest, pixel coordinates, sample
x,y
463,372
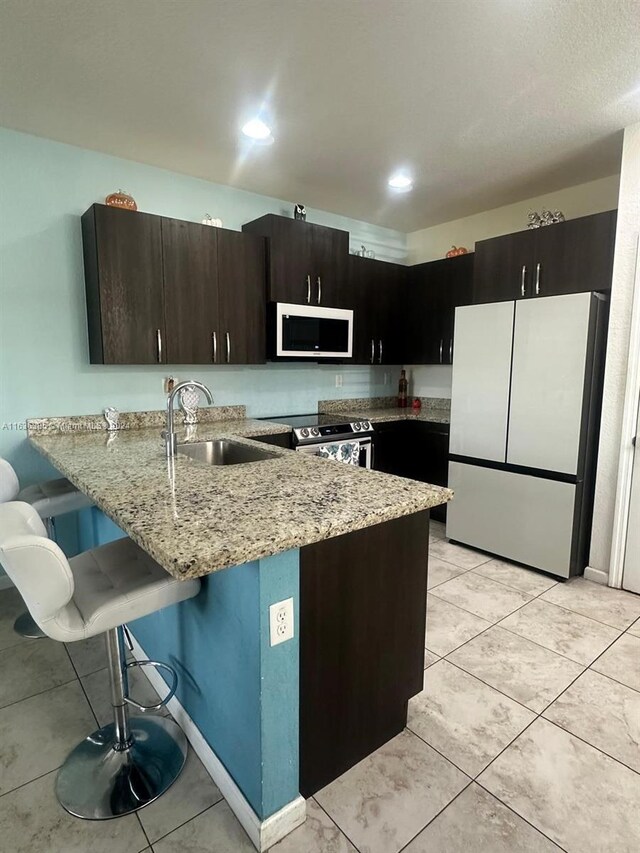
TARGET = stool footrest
x,y
149,709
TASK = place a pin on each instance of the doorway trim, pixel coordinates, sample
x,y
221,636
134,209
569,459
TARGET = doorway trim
x,y
629,427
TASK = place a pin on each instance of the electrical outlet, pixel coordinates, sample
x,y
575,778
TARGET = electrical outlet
x,y
387,378
281,621
169,383
338,380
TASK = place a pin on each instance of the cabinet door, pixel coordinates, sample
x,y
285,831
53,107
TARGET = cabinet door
x,y
503,267
123,269
390,448
574,256
241,273
425,343
481,380
290,254
458,291
363,281
189,253
547,384
330,251
389,306
428,450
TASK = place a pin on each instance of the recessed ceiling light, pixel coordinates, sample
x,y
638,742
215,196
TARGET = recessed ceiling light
x,y
401,182
257,130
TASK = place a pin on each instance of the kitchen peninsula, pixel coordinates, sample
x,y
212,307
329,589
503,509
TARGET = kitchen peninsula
x,y
348,545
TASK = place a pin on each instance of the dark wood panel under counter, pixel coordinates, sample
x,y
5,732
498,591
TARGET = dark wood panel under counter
x,y
362,629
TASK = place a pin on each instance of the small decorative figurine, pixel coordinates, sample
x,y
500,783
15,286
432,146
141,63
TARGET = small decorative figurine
x,y
209,220
454,251
189,400
300,212
121,199
111,416
537,220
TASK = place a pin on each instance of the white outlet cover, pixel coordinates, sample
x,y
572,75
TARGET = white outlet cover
x,y
338,380
281,626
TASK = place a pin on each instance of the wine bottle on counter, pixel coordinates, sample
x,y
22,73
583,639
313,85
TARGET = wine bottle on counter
x,y
403,387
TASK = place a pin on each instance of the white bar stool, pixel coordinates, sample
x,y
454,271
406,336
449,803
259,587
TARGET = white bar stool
x,y
129,763
49,499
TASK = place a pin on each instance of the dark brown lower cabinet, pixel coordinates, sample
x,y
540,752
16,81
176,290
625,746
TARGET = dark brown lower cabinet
x,y
362,627
418,450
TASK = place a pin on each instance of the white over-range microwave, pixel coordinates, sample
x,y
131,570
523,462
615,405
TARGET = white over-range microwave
x,y
309,332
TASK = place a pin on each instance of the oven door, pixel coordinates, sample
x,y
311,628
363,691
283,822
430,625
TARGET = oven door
x,y
365,445
308,331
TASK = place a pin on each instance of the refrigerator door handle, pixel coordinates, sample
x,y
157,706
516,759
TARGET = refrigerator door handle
x,y
523,275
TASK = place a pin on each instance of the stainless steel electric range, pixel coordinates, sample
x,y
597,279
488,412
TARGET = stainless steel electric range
x,y
315,431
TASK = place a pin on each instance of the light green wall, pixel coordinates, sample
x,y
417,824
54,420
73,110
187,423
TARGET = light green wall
x,y
44,365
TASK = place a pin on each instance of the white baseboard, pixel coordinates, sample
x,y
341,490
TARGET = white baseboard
x,y
596,575
263,833
5,582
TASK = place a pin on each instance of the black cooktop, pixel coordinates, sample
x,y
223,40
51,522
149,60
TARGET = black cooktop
x,y
312,420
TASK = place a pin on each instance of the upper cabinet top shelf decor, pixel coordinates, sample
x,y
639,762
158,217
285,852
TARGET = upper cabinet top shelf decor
x,y
306,263
165,291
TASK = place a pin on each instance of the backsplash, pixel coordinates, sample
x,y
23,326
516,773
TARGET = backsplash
x,y
45,370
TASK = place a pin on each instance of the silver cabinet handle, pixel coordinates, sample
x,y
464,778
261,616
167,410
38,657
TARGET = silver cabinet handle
x,y
214,347
522,280
538,268
380,353
159,345
228,337
319,280
441,345
451,351
308,289
373,351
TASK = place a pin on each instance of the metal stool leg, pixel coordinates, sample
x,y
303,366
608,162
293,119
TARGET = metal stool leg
x,y
127,764
27,627
25,624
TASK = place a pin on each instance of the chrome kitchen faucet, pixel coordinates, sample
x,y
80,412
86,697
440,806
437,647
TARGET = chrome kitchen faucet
x,y
169,433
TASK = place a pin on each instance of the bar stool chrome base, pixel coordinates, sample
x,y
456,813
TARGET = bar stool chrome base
x,y
26,626
98,781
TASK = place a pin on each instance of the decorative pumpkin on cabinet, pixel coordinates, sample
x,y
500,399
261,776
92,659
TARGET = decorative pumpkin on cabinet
x,y
121,199
454,251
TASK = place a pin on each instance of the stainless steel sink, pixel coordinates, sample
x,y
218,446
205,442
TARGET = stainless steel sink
x,y
224,452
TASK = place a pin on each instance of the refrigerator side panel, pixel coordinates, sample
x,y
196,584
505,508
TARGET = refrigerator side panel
x,y
515,516
483,338
550,347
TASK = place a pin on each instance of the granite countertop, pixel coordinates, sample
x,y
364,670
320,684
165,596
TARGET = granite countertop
x,y
435,416
194,518
434,410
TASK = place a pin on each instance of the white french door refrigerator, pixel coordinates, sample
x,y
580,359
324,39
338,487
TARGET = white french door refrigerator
x,y
525,416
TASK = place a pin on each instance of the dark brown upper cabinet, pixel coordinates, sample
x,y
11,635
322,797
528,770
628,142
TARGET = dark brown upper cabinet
x,y
568,257
124,285
376,293
190,260
306,263
434,290
165,291
241,295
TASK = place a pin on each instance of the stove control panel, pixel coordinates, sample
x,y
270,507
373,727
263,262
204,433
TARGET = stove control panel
x,y
335,432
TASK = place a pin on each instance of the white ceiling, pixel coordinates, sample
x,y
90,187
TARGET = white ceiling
x,y
486,101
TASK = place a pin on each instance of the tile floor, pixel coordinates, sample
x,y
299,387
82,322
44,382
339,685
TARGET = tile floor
x,y
526,738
